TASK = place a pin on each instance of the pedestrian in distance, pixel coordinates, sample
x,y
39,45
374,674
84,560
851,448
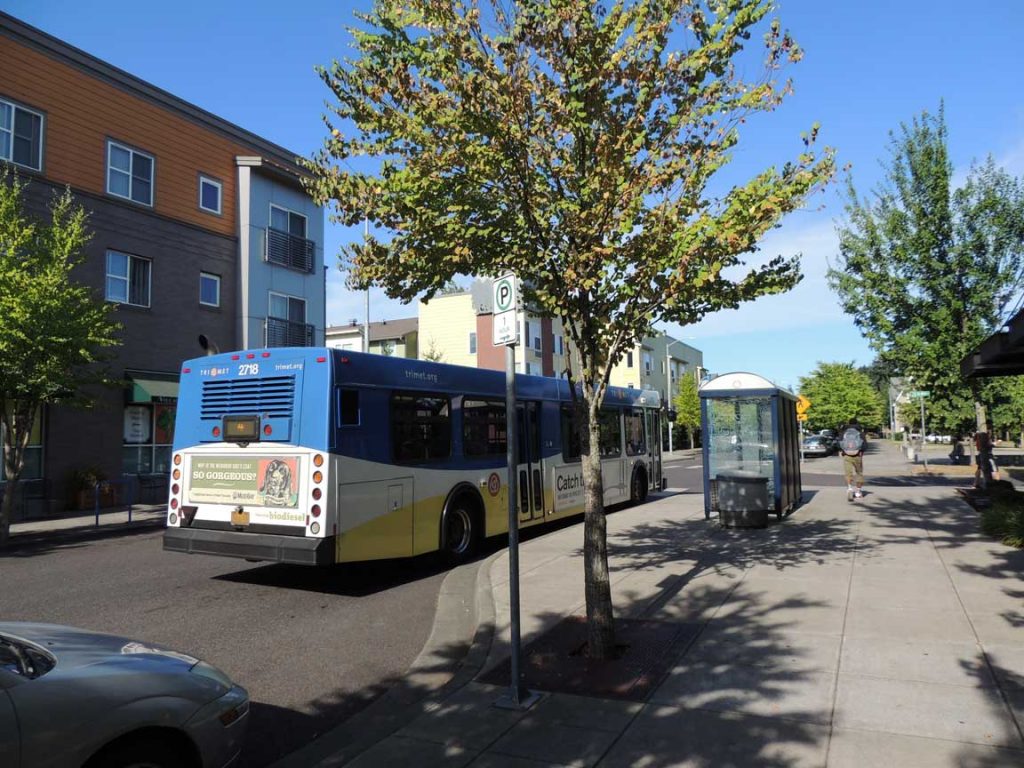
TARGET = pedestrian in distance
x,y
851,444
956,456
986,470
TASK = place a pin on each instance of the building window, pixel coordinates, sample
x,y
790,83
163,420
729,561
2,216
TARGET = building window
x,y
286,242
483,428
536,343
287,308
129,174
421,427
558,345
286,322
629,361
287,221
472,343
209,194
128,279
209,289
21,136
148,432
648,363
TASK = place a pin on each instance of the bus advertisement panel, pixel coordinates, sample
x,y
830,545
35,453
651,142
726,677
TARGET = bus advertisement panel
x,y
264,481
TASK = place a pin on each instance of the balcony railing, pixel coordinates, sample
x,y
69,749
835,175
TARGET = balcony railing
x,y
289,250
285,333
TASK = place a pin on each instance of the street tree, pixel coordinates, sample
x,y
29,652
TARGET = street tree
x,y
573,143
54,331
839,392
927,270
687,406
1008,410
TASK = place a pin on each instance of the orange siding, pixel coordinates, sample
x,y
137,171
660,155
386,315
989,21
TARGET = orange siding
x,y
83,112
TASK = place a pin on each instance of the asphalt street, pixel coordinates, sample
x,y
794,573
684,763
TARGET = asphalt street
x,y
312,646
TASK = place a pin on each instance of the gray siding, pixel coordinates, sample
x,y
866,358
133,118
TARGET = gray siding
x,y
157,338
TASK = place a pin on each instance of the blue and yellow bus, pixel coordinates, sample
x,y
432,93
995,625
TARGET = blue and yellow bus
x,y
320,456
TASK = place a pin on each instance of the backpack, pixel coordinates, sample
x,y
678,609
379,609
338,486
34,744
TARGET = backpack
x,y
852,441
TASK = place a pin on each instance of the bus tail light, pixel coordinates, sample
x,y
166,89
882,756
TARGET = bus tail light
x,y
177,459
318,460
174,503
268,430
315,510
216,431
317,493
318,477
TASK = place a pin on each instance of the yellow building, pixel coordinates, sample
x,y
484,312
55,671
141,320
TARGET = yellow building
x,y
457,328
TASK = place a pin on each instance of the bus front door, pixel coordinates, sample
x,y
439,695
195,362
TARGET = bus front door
x,y
531,478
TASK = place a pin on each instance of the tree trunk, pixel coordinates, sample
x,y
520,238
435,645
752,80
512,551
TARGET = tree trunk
x,y
980,417
600,619
17,429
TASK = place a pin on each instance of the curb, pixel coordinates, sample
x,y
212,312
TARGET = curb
x,y
29,539
432,677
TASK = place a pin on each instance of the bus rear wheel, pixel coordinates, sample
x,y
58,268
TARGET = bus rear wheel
x,y
460,533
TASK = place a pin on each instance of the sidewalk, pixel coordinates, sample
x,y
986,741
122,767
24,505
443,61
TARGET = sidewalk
x,y
82,522
887,632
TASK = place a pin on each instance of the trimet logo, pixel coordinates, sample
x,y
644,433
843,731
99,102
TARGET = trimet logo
x,y
213,371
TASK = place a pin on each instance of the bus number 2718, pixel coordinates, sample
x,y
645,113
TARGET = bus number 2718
x,y
249,369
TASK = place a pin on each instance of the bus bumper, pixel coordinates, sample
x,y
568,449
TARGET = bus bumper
x,y
299,550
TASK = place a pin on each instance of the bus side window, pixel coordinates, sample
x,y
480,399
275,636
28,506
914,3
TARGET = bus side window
x,y
348,407
571,435
421,427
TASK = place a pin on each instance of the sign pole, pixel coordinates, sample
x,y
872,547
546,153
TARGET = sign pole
x,y
923,454
506,302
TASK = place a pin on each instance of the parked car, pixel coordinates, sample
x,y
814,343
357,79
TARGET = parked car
x,y
817,445
70,697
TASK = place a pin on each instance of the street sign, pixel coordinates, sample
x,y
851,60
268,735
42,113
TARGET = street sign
x,y
920,393
505,323
801,417
802,405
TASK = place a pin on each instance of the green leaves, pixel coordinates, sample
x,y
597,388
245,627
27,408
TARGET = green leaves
x,y
839,392
928,271
53,330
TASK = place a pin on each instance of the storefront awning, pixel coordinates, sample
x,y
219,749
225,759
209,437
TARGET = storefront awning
x,y
1001,354
151,387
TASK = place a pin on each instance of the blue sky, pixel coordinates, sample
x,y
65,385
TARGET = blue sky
x,y
869,65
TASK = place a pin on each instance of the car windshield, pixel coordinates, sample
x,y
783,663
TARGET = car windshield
x,y
22,659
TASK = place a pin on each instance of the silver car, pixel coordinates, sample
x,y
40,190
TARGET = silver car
x,y
73,698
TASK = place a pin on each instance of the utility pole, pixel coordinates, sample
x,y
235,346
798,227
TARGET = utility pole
x,y
366,326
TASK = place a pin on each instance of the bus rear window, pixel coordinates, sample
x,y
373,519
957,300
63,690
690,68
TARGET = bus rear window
x,y
421,428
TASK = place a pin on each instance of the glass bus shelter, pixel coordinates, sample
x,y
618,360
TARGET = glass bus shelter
x,y
751,447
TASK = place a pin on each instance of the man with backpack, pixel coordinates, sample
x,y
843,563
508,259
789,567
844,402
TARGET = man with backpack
x,y
851,444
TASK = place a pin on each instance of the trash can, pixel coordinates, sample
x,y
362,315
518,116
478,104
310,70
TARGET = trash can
x,y
743,500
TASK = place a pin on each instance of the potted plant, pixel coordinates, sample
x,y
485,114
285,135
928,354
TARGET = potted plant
x,y
82,485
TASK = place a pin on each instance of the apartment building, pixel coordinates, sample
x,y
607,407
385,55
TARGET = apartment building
x,y
651,363
394,338
199,228
457,328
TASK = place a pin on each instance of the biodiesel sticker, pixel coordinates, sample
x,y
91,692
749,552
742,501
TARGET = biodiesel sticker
x,y
270,481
